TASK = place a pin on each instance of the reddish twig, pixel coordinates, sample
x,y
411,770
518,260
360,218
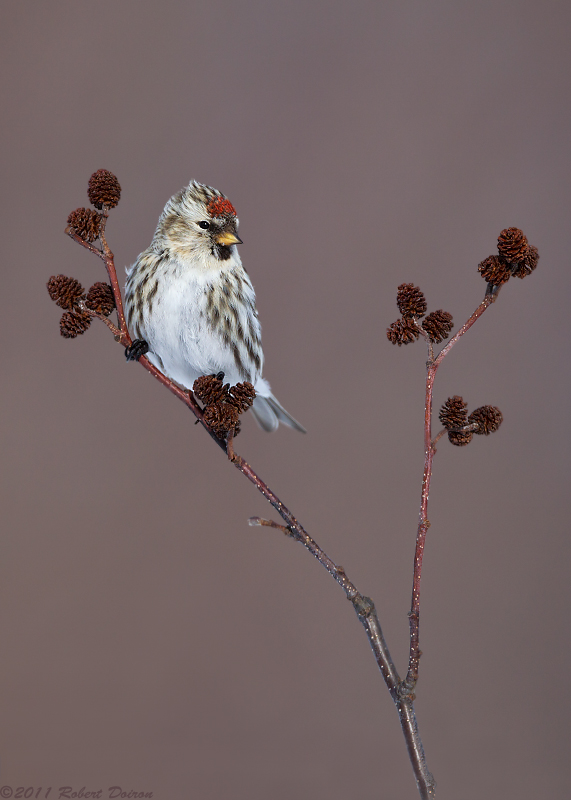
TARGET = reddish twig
x,y
108,259
432,365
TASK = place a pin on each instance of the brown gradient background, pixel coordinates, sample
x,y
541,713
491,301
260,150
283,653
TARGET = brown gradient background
x,y
150,638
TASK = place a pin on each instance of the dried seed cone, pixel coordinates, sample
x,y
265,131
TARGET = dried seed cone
x,y
100,299
438,325
411,301
210,389
512,244
104,190
86,223
74,323
488,418
529,263
460,438
453,413
495,270
222,418
242,396
65,292
403,331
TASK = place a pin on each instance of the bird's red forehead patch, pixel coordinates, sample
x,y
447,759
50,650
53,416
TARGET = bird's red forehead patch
x,y
220,207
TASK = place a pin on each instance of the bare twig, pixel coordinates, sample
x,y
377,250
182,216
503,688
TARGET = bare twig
x,y
269,523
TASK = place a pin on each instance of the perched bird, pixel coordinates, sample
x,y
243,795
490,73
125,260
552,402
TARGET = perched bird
x,y
190,305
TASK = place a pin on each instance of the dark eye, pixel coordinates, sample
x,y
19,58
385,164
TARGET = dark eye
x,y
204,225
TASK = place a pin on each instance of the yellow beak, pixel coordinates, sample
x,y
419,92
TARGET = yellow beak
x,y
228,238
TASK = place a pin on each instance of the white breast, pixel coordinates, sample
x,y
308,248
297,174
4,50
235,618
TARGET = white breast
x,y
177,324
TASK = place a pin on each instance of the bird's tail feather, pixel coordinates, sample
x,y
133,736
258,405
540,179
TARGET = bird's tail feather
x,y
268,413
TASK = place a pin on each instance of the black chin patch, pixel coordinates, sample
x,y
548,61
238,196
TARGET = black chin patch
x,y
222,251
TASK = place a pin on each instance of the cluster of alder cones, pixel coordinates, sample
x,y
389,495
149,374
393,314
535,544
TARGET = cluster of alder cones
x,y
69,294
104,192
412,305
516,257
460,426
223,403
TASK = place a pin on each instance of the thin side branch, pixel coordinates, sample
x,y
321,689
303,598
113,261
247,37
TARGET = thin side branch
x,y
432,365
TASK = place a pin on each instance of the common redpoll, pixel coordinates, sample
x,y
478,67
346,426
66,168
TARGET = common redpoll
x,y
190,304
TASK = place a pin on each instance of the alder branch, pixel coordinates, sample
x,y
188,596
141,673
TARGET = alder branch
x,y
364,606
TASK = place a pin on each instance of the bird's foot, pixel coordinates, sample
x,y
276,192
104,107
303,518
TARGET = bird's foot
x,y
138,348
